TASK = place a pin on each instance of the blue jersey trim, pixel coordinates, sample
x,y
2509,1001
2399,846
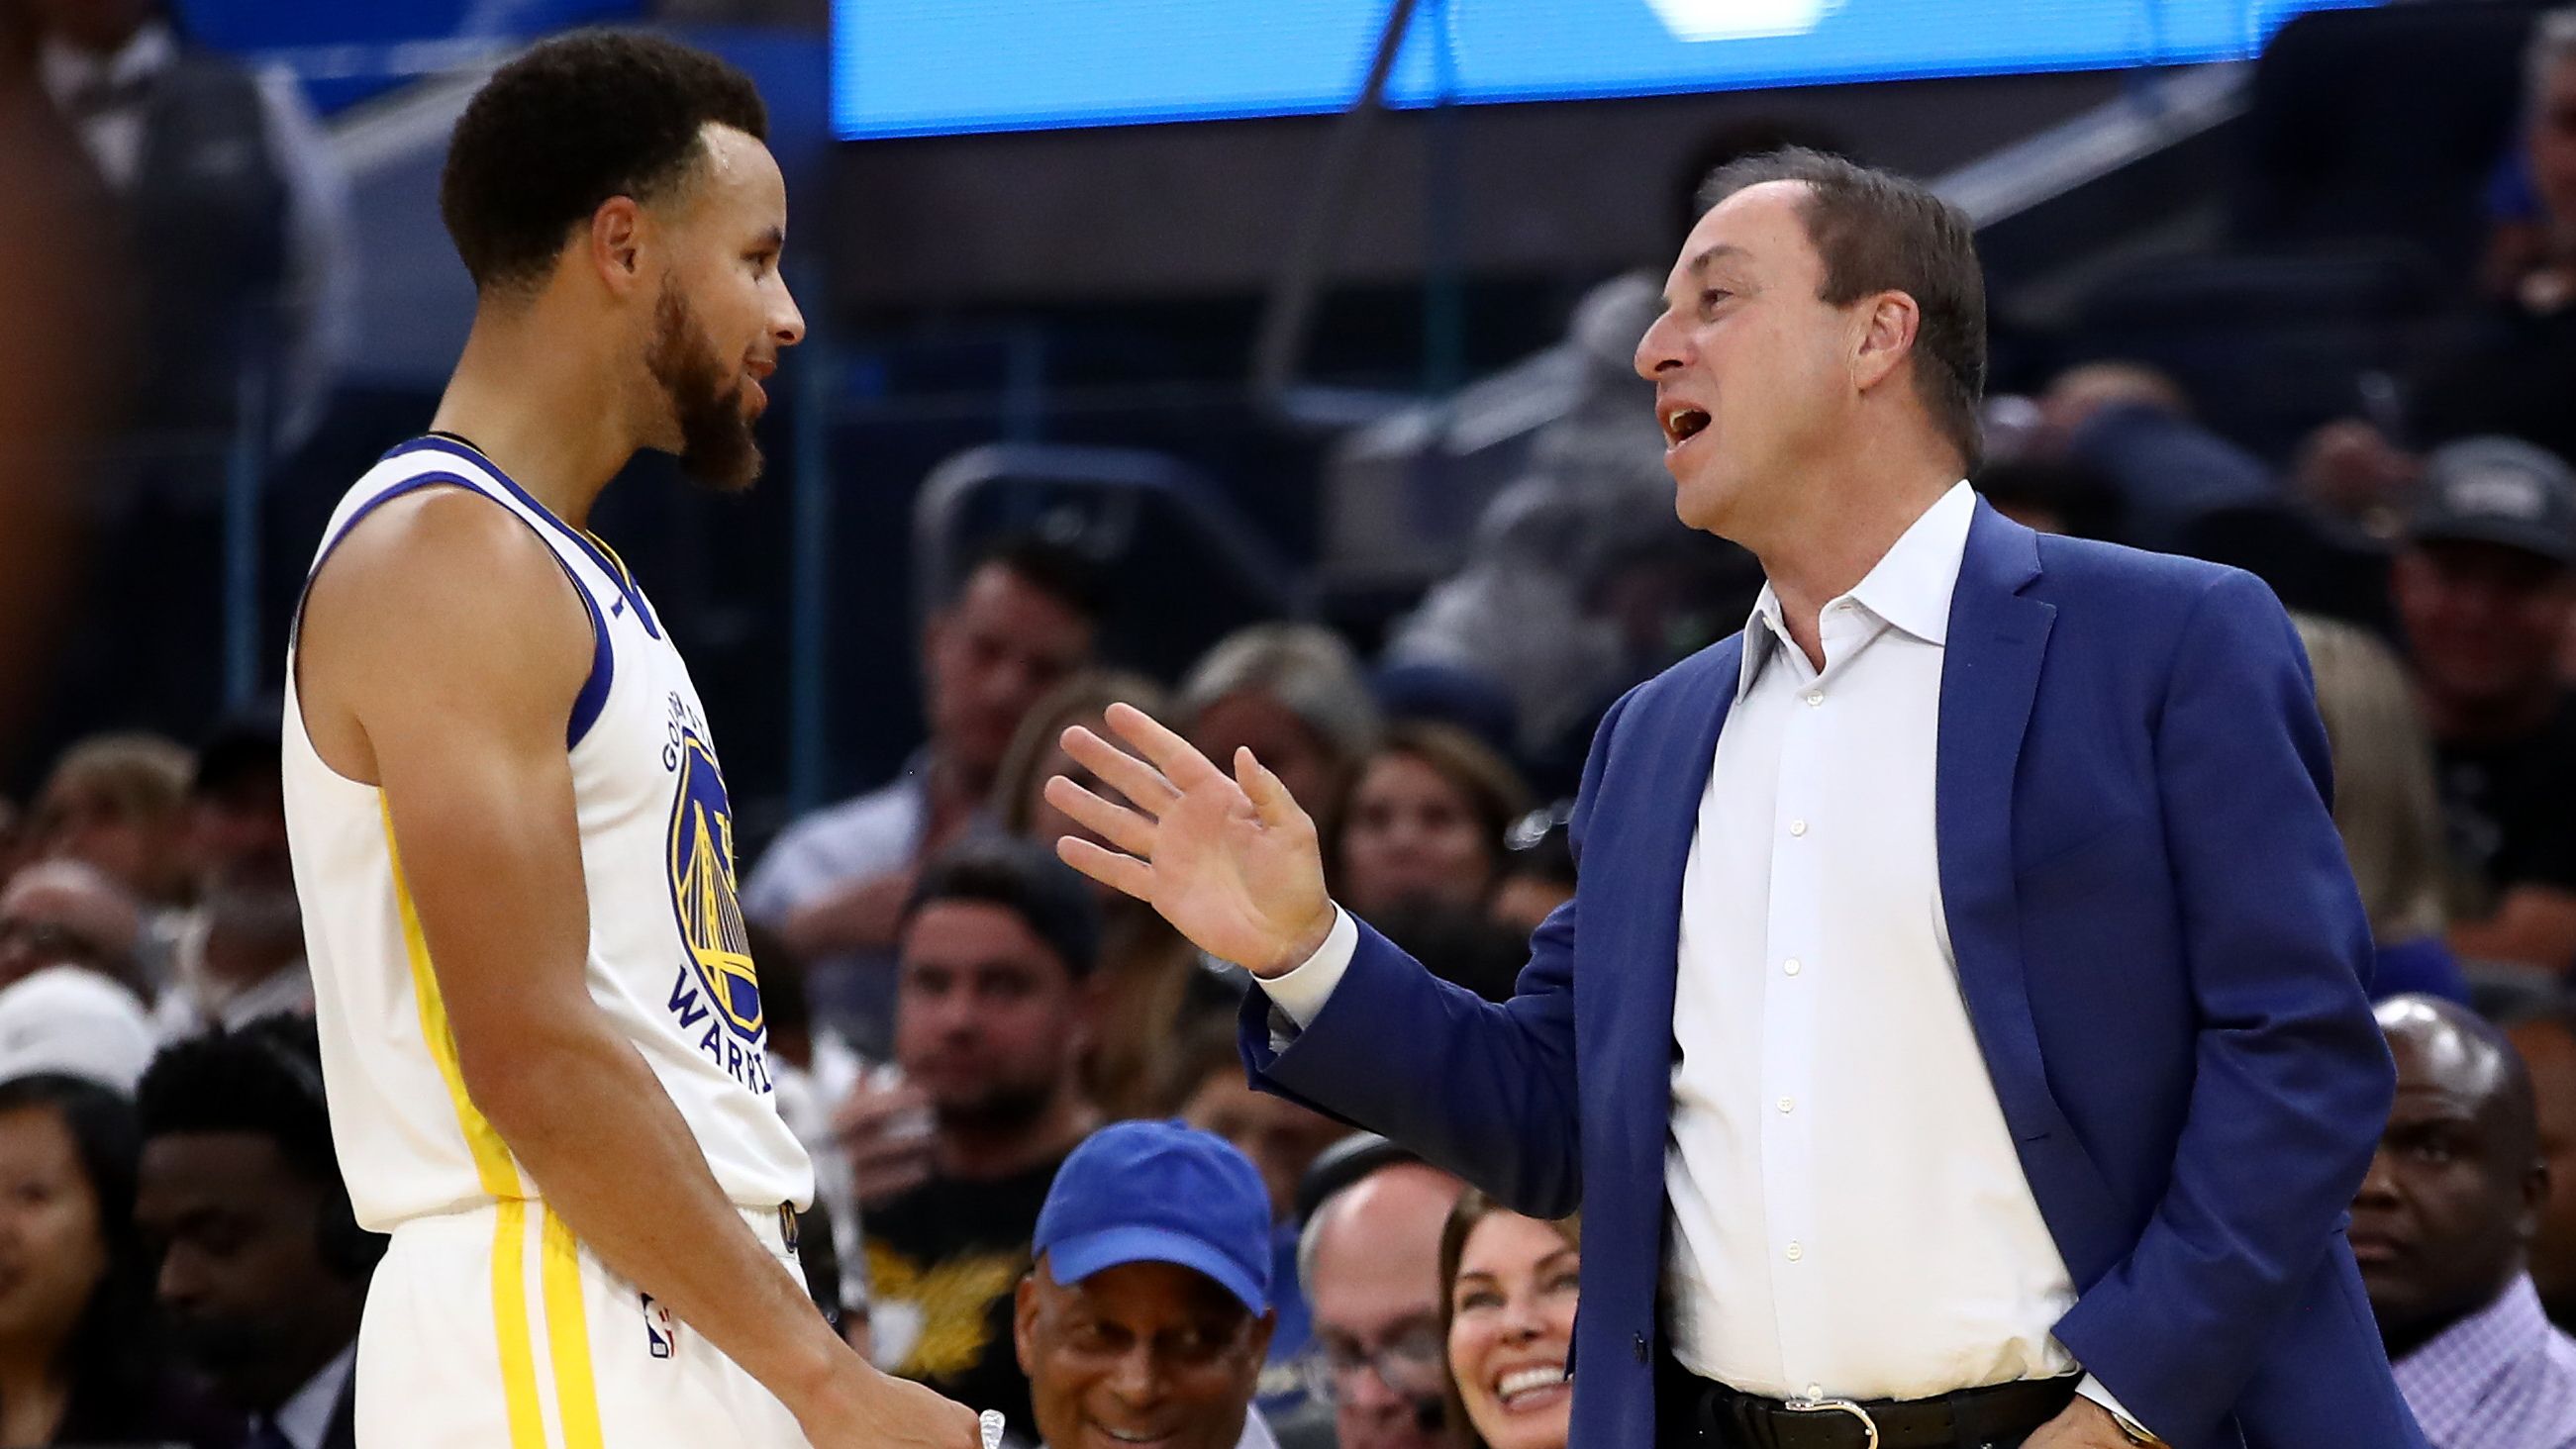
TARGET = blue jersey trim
x,y
593,698
572,535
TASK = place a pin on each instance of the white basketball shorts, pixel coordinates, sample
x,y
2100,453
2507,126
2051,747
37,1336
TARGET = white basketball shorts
x,y
494,1329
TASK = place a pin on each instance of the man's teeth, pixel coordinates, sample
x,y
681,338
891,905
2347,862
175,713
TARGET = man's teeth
x,y
1521,1381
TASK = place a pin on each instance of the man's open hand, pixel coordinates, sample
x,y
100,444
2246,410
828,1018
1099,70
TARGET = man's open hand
x,y
1229,860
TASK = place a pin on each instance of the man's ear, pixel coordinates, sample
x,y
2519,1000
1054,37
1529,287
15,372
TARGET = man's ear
x,y
2535,1201
1889,323
1024,1321
1262,1329
615,243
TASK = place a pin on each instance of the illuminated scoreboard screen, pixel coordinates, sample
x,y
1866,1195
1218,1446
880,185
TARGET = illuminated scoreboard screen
x,y
942,67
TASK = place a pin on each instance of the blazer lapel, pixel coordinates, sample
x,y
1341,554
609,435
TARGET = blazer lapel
x,y
1989,678
1641,839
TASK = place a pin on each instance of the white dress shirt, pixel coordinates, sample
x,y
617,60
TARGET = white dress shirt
x,y
1848,1216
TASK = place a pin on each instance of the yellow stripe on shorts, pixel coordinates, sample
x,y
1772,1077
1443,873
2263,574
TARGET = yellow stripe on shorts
x,y
568,1337
497,1172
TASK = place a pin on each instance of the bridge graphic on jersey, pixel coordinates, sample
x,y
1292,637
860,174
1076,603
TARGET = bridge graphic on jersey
x,y
702,887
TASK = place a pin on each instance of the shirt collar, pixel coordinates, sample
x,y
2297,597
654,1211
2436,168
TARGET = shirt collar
x,y
2447,1377
1909,587
306,1416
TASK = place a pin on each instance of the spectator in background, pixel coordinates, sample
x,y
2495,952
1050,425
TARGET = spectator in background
x,y
2132,425
116,801
81,1358
191,145
2486,590
1294,695
2440,1230
2547,1043
1426,822
1282,1139
2052,495
1370,1258
1508,1288
264,1268
992,1023
2385,806
67,936
1146,1315
834,886
2515,375
1150,989
1538,871
238,955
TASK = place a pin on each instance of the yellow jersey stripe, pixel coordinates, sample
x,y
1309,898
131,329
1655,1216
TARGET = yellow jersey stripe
x,y
493,1167
568,1337
492,1161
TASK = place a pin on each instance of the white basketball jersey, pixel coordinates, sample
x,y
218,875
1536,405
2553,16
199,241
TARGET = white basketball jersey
x,y
668,959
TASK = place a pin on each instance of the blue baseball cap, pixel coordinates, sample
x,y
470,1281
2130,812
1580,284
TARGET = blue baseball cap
x,y
1159,1192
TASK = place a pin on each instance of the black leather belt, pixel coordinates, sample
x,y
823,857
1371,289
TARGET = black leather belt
x,y
1968,1419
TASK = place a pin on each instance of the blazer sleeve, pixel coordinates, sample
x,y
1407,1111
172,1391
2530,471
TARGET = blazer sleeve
x,y
1485,1091
2292,1080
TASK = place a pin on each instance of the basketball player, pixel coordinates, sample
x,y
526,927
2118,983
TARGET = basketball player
x,y
541,1030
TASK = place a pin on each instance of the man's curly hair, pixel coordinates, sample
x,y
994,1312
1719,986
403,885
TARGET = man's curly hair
x,y
570,124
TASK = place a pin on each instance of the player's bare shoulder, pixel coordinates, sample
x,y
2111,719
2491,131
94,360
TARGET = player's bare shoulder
x,y
439,600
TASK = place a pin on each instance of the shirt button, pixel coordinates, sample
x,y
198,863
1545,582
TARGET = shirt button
x,y
1796,1252
1797,827
1815,1391
1788,1104
1815,696
1793,966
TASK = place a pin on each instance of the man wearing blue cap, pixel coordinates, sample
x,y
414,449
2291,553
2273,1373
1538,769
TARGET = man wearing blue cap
x,y
1147,1315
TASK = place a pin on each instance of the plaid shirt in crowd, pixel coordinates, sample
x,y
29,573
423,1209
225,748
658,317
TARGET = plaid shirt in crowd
x,y
2501,1378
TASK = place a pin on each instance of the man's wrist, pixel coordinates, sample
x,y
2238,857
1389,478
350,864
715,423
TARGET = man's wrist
x,y
1302,948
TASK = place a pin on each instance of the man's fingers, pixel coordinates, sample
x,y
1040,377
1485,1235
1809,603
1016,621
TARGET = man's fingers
x,y
1269,796
1117,824
1118,872
1177,758
1121,771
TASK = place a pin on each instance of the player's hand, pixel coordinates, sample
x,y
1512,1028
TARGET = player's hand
x,y
1230,861
2084,1425
886,1132
884,1412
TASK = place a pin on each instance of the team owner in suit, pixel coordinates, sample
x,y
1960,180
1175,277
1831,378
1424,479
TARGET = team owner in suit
x,y
1959,1035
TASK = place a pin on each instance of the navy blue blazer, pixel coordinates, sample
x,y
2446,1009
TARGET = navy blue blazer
x,y
2160,948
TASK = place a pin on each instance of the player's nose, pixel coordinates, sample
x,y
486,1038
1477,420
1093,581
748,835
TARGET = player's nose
x,y
787,322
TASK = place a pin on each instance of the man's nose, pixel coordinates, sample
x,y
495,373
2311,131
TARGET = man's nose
x,y
2379,1185
1662,349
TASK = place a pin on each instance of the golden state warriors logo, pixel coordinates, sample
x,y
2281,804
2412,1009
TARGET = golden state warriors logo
x,y
702,891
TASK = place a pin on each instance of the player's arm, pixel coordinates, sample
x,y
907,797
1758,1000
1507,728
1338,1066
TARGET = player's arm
x,y
453,644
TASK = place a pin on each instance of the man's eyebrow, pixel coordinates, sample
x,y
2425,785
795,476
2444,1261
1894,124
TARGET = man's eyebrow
x,y
1701,263
772,239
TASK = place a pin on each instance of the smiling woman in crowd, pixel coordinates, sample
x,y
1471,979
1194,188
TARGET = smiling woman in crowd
x,y
1507,1293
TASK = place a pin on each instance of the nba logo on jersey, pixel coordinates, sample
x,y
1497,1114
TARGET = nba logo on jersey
x,y
661,1332
718,980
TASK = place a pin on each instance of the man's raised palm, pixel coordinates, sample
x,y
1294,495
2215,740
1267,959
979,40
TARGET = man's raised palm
x,y
1229,860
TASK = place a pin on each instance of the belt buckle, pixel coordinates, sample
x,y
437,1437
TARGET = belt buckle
x,y
1837,1406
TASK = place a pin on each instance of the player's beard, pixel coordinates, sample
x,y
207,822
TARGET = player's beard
x,y
717,448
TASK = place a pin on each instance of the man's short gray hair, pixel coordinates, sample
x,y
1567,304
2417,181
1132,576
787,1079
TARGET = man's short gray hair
x,y
1306,667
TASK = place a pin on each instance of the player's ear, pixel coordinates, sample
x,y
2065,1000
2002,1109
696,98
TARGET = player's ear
x,y
615,243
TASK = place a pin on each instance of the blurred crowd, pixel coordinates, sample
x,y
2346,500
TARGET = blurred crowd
x,y
989,1058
